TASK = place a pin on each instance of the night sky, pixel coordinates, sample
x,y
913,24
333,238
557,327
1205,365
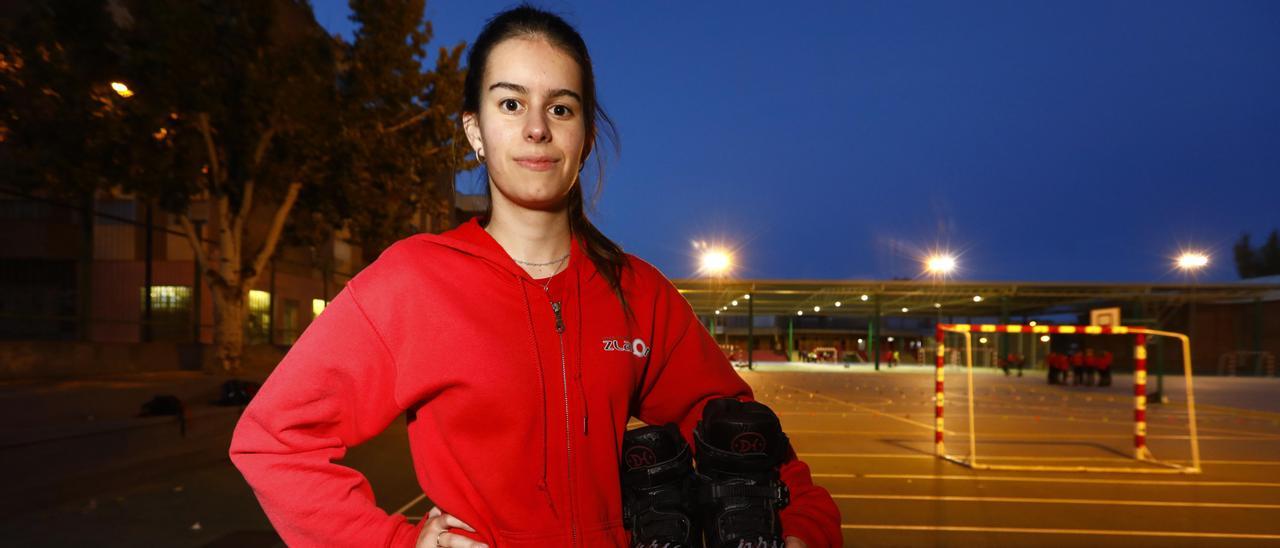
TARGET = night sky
x,y
1042,141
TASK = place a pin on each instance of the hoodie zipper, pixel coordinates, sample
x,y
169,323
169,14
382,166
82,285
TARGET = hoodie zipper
x,y
568,433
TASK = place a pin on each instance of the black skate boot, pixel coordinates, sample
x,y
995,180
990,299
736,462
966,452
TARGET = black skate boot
x,y
658,489
740,446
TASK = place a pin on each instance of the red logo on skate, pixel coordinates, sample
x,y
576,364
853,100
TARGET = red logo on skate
x,y
748,442
639,457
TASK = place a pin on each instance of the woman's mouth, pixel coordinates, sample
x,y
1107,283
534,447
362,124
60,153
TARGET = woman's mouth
x,y
537,163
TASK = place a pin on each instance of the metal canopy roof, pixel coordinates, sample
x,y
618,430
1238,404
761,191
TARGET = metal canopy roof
x,y
951,298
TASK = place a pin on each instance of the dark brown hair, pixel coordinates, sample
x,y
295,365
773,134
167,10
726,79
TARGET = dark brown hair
x,y
528,21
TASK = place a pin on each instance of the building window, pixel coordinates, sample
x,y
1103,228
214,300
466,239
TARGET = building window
x,y
258,331
288,321
170,311
317,306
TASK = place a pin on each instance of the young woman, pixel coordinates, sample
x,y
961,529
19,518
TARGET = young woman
x,y
517,348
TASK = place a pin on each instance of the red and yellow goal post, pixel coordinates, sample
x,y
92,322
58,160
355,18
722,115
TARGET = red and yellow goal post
x,y
1140,450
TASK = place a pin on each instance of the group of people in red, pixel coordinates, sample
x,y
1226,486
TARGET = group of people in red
x,y
1012,361
1087,367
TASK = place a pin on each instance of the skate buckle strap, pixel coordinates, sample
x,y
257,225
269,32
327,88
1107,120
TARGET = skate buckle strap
x,y
774,491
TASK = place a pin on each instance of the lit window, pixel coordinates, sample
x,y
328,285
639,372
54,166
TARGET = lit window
x,y
259,327
169,298
170,311
317,306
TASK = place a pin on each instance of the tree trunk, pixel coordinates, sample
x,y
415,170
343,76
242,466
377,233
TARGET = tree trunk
x,y
228,331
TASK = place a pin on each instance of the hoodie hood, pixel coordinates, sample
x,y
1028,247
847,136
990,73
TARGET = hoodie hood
x,y
472,239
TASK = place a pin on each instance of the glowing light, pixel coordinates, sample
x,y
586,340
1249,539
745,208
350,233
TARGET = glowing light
x,y
937,305
837,304
735,302
715,262
717,312
317,306
1033,323
747,296
905,310
1192,260
982,340
864,297
1044,338
121,89
977,298
799,312
817,308
890,339
940,264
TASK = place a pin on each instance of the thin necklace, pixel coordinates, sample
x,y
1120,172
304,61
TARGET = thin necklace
x,y
527,263
547,285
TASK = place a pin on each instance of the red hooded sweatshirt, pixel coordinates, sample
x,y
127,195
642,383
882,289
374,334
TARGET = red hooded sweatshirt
x,y
516,395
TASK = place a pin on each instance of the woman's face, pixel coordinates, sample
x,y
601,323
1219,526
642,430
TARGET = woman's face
x,y
530,128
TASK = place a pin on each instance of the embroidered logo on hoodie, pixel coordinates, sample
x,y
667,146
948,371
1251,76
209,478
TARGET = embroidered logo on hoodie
x,y
636,347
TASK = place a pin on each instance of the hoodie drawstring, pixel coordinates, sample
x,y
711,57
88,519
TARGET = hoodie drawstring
x,y
533,337
582,391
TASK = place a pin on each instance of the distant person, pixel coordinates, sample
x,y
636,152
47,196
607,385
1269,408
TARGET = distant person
x,y
1077,367
1057,365
1104,368
1090,367
1012,361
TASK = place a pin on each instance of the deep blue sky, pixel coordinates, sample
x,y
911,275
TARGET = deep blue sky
x,y
1046,141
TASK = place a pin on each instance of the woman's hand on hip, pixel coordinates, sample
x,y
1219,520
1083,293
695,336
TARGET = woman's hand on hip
x,y
436,533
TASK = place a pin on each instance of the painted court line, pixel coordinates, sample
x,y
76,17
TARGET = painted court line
x,y
1016,436
410,504
859,407
1095,502
1031,458
1036,479
1032,531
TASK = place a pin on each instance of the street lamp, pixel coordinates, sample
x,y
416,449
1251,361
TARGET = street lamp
x,y
715,262
1190,262
121,89
940,264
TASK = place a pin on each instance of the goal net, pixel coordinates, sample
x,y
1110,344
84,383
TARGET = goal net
x,y
1142,458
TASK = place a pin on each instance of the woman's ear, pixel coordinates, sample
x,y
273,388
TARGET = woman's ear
x,y
586,153
471,126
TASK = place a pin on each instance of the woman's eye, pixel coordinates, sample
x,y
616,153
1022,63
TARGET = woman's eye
x,y
561,110
509,105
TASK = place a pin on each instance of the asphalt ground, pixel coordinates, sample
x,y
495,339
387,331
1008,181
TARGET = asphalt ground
x,y
867,435
869,440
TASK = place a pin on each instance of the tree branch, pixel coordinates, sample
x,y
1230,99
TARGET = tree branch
x,y
215,170
264,141
277,226
197,246
230,263
412,120
246,203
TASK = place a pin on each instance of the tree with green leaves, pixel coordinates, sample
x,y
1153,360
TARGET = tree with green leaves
x,y
401,137
246,105
1262,261
61,123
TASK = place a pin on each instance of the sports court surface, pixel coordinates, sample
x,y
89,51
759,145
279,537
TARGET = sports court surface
x,y
868,437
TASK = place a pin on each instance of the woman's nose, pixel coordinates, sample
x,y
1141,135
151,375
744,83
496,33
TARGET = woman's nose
x,y
535,130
